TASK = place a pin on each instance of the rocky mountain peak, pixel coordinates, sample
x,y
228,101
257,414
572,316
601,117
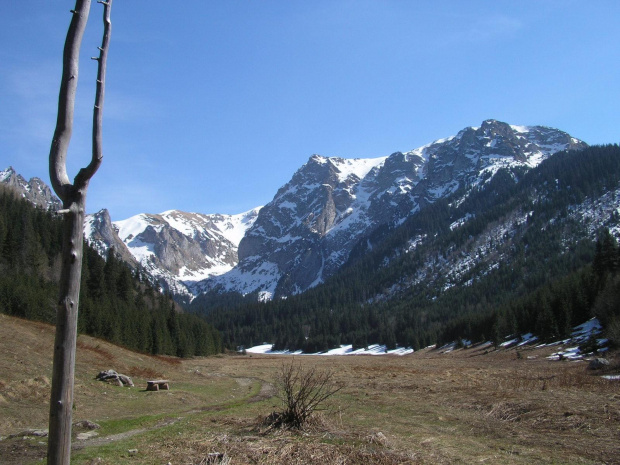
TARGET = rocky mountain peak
x,y
34,190
306,233
101,233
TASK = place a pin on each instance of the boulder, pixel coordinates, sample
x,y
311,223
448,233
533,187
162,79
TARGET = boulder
x,y
113,377
126,380
104,375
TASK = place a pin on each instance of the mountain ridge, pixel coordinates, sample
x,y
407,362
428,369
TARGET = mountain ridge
x,y
329,207
306,233
35,190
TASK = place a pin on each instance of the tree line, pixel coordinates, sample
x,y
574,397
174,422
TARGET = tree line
x,y
546,284
116,303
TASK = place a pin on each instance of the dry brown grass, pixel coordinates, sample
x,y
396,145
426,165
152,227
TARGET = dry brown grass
x,y
247,441
427,408
97,350
145,373
173,361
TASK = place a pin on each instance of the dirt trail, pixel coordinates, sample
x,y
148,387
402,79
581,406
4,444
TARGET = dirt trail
x,y
100,441
15,452
267,391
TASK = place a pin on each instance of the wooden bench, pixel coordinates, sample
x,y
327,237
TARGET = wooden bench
x,y
157,384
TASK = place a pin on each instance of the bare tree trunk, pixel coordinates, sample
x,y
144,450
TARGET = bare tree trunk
x,y
73,197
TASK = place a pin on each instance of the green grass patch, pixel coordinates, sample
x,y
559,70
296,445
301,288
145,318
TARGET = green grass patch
x,y
121,425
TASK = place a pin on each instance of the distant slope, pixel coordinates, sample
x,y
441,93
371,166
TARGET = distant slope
x,y
26,373
330,205
455,268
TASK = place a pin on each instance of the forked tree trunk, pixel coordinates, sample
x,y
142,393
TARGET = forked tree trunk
x,y
73,197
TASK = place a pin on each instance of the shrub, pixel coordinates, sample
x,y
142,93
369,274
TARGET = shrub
x,y
302,392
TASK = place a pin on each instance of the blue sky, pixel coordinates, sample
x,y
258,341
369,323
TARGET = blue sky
x,y
211,105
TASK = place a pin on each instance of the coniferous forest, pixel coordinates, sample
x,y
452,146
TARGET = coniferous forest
x,y
549,274
116,303
556,274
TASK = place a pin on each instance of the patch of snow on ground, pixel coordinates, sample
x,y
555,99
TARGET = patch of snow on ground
x,y
595,213
374,349
181,222
191,276
263,277
448,348
141,251
443,191
287,204
461,221
509,343
592,326
413,243
527,339
88,223
358,214
580,334
260,349
570,353
236,226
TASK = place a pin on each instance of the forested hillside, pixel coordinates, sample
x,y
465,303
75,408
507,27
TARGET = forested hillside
x,y
518,255
116,302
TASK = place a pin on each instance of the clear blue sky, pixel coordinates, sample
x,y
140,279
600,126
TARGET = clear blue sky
x,y
212,105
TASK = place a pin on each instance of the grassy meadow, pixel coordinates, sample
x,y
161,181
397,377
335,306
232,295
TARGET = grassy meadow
x,y
467,406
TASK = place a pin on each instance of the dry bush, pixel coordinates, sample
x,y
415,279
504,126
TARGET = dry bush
x,y
302,391
287,447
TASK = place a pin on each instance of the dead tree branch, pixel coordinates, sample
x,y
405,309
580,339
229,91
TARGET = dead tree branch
x,y
73,197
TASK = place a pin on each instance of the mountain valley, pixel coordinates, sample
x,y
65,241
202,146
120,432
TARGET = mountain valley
x,y
443,242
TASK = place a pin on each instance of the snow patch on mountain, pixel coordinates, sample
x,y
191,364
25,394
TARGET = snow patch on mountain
x,y
262,277
358,167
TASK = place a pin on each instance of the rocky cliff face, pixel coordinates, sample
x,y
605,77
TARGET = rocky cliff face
x,y
306,233
100,232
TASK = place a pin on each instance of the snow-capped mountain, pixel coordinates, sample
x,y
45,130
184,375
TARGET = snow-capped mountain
x,y
306,233
330,207
175,248
35,190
